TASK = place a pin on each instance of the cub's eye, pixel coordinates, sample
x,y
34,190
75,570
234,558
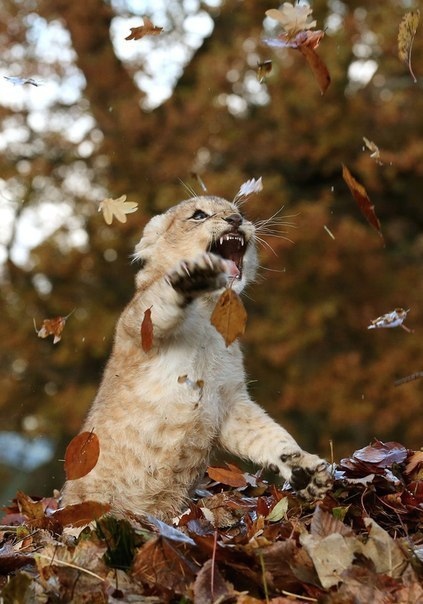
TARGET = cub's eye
x,y
199,215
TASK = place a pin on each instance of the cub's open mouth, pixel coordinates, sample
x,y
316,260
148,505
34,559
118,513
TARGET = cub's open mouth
x,y
231,246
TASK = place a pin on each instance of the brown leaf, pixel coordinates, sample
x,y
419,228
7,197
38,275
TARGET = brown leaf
x,y
360,195
229,316
407,31
415,463
28,507
52,327
160,563
80,514
231,476
318,67
323,524
263,69
147,29
11,560
382,454
81,455
209,585
147,331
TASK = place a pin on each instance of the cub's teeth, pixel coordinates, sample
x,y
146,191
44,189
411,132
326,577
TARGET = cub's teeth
x,y
221,240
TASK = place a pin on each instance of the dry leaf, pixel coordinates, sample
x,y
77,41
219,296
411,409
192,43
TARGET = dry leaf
x,y
375,153
391,319
81,455
360,195
231,476
28,507
210,586
317,66
263,69
293,18
117,208
52,327
147,29
229,316
278,511
80,514
406,33
147,331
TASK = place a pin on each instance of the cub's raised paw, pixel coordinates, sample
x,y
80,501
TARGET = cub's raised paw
x,y
192,278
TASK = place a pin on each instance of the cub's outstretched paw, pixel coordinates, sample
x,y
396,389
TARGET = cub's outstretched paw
x,y
311,482
308,474
192,278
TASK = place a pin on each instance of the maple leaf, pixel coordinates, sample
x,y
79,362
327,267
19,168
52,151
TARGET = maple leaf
x,y
360,195
81,455
293,18
117,208
147,331
147,29
391,319
229,316
406,33
52,327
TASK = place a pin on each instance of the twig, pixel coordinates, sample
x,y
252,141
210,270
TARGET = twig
x,y
306,598
263,572
213,561
63,563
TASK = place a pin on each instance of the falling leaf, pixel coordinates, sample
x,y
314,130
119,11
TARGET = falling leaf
x,y
375,152
263,70
81,455
52,327
391,319
16,81
231,476
117,208
360,195
306,42
318,67
293,18
406,33
147,29
147,331
248,188
80,514
279,511
229,316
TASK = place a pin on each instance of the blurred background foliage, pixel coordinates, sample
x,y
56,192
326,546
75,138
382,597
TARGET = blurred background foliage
x,y
112,117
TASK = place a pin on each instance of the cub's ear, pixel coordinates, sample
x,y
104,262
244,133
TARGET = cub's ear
x,y
153,230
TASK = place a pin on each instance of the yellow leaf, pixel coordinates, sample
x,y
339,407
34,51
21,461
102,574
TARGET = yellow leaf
x,y
117,208
406,33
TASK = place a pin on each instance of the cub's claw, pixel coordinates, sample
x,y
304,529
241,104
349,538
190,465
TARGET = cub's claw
x,y
192,278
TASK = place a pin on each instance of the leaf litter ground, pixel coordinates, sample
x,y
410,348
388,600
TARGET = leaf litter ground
x,y
242,540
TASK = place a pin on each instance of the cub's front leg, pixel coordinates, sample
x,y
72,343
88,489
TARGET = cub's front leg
x,y
250,433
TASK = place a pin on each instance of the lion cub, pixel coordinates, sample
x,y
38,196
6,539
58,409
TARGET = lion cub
x,y
158,414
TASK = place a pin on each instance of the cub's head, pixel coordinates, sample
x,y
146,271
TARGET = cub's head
x,y
195,226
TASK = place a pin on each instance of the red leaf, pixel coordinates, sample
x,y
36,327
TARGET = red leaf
x,y
360,195
81,455
147,331
317,66
80,514
231,476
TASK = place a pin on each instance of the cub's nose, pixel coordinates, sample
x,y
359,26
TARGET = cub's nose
x,y
234,219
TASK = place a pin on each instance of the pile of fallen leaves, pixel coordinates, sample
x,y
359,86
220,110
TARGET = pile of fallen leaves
x,y
242,540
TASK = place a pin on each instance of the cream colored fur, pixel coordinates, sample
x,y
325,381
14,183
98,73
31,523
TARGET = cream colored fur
x,y
157,427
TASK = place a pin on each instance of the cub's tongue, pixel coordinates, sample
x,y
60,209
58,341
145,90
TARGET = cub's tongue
x,y
232,269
